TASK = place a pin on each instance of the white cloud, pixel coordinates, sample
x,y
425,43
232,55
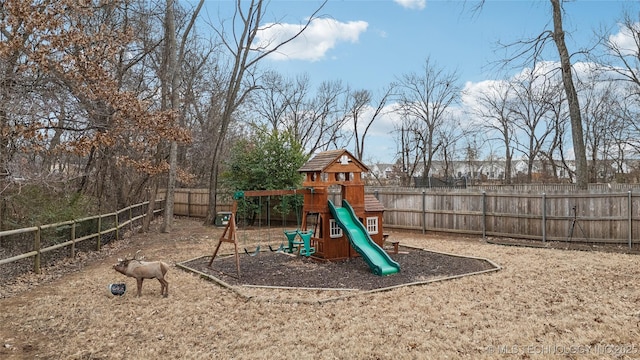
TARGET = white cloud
x,y
624,40
473,91
321,36
384,125
382,33
412,4
380,141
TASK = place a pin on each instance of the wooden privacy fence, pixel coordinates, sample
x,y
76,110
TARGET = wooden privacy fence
x,y
599,215
581,217
195,202
50,237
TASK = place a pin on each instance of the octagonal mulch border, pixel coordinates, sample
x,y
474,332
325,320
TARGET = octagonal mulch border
x,y
353,292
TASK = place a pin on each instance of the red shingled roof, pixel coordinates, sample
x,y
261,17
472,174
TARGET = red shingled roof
x,y
372,204
324,159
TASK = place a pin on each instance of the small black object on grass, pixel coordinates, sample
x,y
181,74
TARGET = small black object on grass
x,y
117,289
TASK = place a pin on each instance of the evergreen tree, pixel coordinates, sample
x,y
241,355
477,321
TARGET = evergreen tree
x,y
266,161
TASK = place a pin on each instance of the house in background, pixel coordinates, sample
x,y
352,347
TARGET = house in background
x,y
493,172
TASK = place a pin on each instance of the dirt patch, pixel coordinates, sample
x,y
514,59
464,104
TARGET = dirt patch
x,y
286,270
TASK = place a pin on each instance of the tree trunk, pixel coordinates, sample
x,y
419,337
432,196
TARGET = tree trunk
x,y
572,98
171,71
167,222
507,166
152,195
213,193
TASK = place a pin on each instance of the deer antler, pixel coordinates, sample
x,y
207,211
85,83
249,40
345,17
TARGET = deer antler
x,y
135,257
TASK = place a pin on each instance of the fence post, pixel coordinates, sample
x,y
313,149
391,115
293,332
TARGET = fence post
x,y
484,214
424,212
188,203
118,226
629,205
36,246
73,239
544,217
99,242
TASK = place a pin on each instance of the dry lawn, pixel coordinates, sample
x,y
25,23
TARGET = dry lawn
x,y
543,303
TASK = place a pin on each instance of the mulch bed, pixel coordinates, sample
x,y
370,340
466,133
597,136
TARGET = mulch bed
x,y
285,270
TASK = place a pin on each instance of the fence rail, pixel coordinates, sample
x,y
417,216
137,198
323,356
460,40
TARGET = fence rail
x,y
50,237
601,214
608,215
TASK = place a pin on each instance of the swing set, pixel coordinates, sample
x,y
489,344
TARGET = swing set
x,y
300,246
285,208
327,231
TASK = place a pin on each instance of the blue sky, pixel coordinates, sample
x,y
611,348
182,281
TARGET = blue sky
x,y
368,43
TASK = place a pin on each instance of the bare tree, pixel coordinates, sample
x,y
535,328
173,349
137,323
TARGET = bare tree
x,y
204,83
171,76
533,95
357,104
619,63
424,100
532,50
621,59
170,100
276,96
245,54
604,124
472,150
362,115
82,62
317,119
409,149
451,132
494,109
554,156
627,134
318,123
582,176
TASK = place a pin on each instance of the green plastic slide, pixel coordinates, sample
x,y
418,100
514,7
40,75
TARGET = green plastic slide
x,y
378,260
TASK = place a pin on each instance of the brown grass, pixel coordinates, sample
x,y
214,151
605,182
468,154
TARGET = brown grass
x,y
572,304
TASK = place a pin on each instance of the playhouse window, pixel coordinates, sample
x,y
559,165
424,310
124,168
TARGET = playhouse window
x,y
334,230
372,225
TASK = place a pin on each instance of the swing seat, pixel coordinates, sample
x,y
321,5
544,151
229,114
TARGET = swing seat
x,y
306,241
253,253
280,248
291,238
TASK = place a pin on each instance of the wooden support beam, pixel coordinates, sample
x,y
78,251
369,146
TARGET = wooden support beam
x,y
229,235
250,193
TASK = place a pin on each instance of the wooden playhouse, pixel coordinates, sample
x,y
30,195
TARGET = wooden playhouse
x,y
332,170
